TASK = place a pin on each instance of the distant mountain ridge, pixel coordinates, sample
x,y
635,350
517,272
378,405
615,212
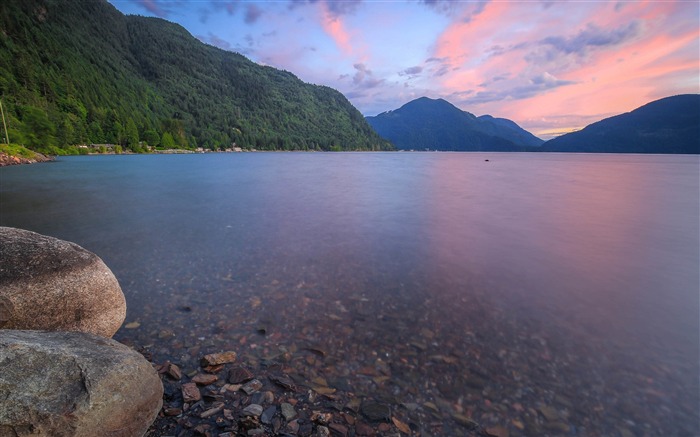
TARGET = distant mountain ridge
x,y
436,124
668,125
81,72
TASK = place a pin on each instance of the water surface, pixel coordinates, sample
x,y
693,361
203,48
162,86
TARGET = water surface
x,y
494,290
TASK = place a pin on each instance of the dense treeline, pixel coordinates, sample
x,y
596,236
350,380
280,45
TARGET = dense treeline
x,y
80,72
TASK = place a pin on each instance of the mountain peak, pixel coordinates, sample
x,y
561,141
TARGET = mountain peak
x,y
426,123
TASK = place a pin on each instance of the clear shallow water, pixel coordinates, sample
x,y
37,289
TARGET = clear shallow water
x,y
493,289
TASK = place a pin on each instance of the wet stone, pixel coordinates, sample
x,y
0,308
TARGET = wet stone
x,y
322,431
238,375
288,411
557,427
204,379
498,431
465,421
253,410
262,398
338,429
172,411
218,358
549,413
362,429
190,392
173,371
305,427
375,411
251,386
283,381
268,414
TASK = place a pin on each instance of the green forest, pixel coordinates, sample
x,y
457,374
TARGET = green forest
x,y
80,73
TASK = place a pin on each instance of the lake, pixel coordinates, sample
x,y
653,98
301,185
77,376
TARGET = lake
x,y
537,294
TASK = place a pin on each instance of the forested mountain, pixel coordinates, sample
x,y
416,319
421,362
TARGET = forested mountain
x,y
81,72
438,125
669,125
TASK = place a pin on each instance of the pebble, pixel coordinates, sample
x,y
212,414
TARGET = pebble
x,y
375,411
174,371
239,375
498,431
190,392
218,358
204,379
251,387
338,429
465,421
430,383
362,429
268,414
549,413
288,411
253,410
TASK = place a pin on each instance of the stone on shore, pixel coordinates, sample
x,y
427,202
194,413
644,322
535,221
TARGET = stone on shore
x,y
54,285
74,384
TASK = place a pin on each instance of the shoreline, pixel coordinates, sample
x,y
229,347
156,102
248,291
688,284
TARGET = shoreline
x,y
7,159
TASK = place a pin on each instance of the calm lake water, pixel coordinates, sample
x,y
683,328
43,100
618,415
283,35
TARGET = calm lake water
x,y
557,291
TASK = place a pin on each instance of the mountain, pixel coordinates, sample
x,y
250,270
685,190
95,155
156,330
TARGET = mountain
x,y
78,72
668,125
432,124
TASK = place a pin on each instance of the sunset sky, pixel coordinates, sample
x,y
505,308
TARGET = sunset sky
x,y
550,66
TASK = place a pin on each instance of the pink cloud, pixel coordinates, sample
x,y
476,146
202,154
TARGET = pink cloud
x,y
333,25
584,62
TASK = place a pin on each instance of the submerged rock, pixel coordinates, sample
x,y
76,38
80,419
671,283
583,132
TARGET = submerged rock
x,y
54,285
74,384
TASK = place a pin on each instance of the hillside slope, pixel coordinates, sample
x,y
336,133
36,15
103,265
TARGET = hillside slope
x,y
79,72
668,125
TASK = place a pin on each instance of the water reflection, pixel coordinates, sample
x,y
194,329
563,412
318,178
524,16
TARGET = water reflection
x,y
546,294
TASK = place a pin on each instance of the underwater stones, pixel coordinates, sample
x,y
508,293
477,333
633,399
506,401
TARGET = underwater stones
x,y
51,284
375,411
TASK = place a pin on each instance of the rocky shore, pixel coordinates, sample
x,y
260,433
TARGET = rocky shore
x,y
6,159
61,374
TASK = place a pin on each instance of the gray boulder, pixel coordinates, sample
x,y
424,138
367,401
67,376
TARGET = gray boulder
x,y
54,285
74,384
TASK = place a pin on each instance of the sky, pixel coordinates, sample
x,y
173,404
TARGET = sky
x,y
550,66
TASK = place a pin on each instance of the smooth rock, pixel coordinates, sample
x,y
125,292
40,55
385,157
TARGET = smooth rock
x,y
218,358
375,411
190,392
74,384
268,414
253,410
204,379
54,285
288,411
251,387
239,375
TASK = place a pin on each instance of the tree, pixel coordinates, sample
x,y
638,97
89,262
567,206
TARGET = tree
x,y
66,133
132,136
167,141
38,130
95,133
116,134
151,138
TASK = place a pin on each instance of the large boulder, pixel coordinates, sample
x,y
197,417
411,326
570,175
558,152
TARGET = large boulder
x,y
54,285
74,384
